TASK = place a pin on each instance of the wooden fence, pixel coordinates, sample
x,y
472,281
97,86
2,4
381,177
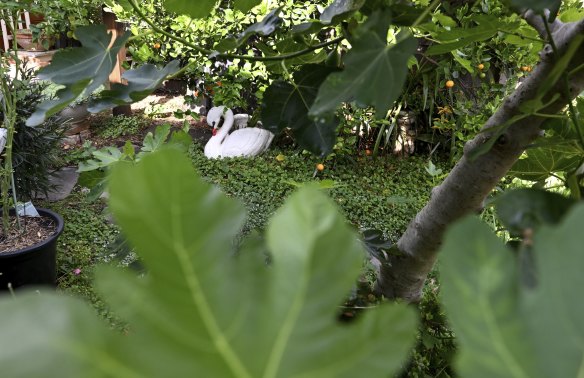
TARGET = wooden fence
x,y
6,19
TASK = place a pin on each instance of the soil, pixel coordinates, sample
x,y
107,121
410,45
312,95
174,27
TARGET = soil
x,y
34,230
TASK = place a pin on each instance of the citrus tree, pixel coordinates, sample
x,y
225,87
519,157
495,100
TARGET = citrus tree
x,y
535,133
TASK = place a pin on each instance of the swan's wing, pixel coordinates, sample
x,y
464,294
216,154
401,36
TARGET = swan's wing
x,y
241,120
246,142
213,148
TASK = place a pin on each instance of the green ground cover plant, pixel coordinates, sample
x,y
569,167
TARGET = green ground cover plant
x,y
372,192
117,126
84,244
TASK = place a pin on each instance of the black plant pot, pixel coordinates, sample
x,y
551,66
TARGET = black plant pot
x,y
35,265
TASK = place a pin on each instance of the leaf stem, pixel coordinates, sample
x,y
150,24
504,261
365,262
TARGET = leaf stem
x,y
426,11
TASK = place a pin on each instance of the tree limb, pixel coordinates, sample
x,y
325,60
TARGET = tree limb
x,y
470,181
536,21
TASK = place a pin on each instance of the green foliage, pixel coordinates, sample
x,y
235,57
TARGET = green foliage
x,y
108,156
94,169
190,320
35,150
266,26
197,9
139,83
488,26
374,72
539,163
339,10
373,193
436,344
83,244
286,105
527,209
246,5
80,70
117,126
504,327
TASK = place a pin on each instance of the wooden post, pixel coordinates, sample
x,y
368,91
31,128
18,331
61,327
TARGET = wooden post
x,y
117,28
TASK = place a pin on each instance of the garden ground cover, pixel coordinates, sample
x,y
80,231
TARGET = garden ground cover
x,y
372,193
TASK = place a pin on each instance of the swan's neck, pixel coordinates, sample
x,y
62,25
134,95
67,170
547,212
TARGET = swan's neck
x,y
227,124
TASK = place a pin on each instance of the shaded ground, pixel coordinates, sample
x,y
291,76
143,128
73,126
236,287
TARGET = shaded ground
x,y
154,110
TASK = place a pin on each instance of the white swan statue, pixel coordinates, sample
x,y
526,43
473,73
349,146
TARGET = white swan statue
x,y
3,136
243,142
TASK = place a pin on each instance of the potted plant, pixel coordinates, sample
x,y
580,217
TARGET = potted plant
x,y
34,39
27,243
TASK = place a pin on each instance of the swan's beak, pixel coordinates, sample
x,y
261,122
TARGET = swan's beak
x,y
214,129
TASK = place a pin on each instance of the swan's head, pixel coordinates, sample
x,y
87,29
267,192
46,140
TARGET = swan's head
x,y
214,116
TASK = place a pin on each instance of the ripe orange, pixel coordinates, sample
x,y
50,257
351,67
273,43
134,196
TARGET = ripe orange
x,y
156,45
525,68
449,84
320,166
367,152
481,66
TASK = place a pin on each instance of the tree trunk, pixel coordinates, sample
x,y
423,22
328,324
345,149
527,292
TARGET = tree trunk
x,y
464,190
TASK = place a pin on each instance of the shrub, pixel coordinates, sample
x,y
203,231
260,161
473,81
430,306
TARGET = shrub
x,y
36,149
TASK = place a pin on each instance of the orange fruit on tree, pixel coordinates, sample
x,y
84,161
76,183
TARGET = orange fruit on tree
x,y
156,45
449,84
320,166
367,152
481,66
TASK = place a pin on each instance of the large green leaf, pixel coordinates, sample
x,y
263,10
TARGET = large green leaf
x,y
266,26
63,334
554,311
479,288
508,329
141,82
194,9
201,310
226,309
64,97
539,163
456,38
339,10
246,5
523,209
374,72
286,105
82,69
287,46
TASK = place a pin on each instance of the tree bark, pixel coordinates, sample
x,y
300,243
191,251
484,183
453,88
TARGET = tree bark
x,y
464,190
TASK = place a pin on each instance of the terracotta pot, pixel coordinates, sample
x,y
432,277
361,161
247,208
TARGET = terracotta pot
x,y
24,40
36,18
